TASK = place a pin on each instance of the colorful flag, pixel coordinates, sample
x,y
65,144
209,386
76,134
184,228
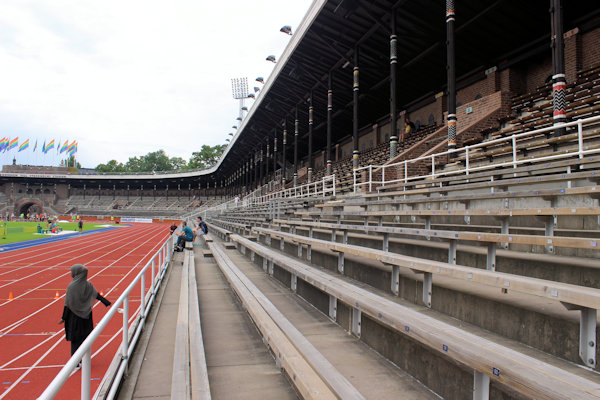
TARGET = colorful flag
x,y
35,146
24,145
50,146
3,143
44,147
13,143
64,147
73,148
58,147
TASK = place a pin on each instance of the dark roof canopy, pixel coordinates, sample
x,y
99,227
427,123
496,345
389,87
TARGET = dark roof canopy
x,y
488,34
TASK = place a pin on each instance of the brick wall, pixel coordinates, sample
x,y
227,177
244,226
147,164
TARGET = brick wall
x,y
537,72
366,141
512,81
590,48
573,54
434,109
483,88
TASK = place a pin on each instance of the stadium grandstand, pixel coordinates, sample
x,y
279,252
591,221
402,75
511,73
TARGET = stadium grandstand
x,y
409,210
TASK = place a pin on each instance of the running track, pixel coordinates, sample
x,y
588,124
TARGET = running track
x,y
32,343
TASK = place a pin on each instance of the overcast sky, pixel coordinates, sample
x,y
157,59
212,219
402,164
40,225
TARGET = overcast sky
x,y
127,77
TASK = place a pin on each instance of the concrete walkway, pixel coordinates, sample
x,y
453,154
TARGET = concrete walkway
x,y
151,366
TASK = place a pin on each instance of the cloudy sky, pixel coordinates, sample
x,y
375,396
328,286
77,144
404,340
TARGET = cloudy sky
x,y
126,77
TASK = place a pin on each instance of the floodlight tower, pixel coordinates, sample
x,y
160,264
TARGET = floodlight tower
x,y
239,87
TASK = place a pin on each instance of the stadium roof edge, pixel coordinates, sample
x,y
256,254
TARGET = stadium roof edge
x,y
305,24
295,40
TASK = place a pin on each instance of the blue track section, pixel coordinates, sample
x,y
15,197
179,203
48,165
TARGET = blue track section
x,y
37,242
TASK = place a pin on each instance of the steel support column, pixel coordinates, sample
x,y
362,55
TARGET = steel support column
x,y
451,67
283,168
275,154
296,133
310,137
559,82
393,83
260,167
329,120
355,89
266,162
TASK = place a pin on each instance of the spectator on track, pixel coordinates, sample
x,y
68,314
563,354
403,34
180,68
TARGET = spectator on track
x,y
80,226
77,313
186,235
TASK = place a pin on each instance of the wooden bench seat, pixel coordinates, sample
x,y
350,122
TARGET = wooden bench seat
x,y
492,183
313,376
507,148
469,236
593,191
568,293
522,373
538,211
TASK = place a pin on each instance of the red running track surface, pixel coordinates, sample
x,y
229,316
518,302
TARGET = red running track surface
x,y
33,348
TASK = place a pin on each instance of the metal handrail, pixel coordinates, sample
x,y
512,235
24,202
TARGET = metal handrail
x,y
84,354
467,150
325,186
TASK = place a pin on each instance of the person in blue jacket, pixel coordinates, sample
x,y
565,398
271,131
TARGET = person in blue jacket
x,y
186,235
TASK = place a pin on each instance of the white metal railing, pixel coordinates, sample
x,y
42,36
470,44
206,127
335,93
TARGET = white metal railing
x,y
323,187
466,152
158,264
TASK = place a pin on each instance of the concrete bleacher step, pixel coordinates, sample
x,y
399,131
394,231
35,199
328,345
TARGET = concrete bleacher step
x,y
238,363
366,371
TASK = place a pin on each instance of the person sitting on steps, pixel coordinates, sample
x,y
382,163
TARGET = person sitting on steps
x,y
186,235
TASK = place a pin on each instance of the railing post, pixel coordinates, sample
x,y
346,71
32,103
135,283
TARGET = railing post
x,y
143,294
153,275
467,160
370,178
125,344
354,177
514,151
580,137
86,374
405,172
433,166
383,175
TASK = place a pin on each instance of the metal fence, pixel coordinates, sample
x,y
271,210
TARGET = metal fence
x,y
323,187
158,264
380,175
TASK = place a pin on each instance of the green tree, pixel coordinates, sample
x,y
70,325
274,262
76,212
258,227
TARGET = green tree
x,y
160,161
154,161
111,166
71,162
178,163
207,156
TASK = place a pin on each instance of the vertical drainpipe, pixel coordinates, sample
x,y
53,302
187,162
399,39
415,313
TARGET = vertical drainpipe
x,y
393,78
451,76
559,82
310,137
296,127
329,120
355,89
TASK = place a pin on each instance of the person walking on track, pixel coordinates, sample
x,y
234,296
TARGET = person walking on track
x,y
77,313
